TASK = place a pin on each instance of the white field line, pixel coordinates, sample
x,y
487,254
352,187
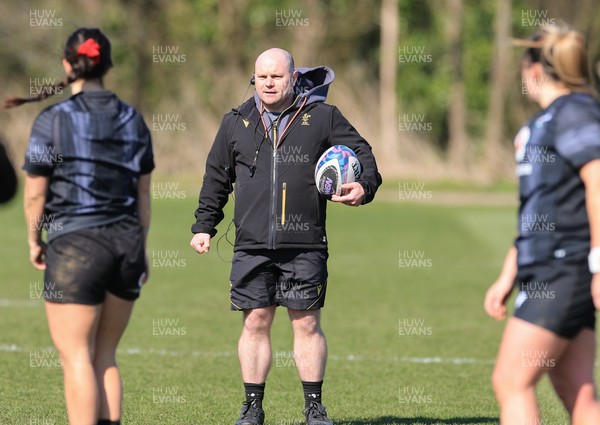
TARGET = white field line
x,y
13,348
164,352
20,303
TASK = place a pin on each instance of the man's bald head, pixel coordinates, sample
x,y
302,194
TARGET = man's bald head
x,y
275,78
276,54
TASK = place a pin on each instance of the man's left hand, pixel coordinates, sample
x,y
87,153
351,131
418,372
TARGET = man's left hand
x,y
354,194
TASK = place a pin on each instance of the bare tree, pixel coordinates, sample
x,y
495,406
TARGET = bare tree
x,y
495,155
307,40
458,140
140,38
389,142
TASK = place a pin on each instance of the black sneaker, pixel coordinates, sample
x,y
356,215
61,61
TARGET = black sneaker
x,y
316,415
251,414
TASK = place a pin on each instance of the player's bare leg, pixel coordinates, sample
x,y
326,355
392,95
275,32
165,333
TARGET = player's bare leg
x,y
573,379
526,353
310,355
254,351
113,321
254,347
310,346
73,328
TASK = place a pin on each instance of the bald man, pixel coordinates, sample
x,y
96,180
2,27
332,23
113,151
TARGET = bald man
x,y
266,152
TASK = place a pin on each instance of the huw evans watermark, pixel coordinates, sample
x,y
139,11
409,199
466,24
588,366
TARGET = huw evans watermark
x,y
414,395
413,327
413,191
167,327
413,259
44,18
168,55
168,123
413,54
290,18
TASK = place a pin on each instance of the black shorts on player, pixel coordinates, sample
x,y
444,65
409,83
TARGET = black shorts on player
x,y
556,296
291,278
81,266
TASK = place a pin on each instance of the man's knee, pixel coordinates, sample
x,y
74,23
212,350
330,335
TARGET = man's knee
x,y
258,321
305,323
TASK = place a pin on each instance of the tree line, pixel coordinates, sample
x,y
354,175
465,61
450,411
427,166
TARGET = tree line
x,y
434,85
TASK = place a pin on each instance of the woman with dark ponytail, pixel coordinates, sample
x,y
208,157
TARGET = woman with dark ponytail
x,y
88,170
555,261
85,58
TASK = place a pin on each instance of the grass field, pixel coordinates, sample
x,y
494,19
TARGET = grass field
x,y
409,342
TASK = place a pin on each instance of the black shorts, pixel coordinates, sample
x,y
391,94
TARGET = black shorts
x,y
291,278
82,265
556,296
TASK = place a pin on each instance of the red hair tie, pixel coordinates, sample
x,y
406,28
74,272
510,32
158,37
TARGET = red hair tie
x,y
91,49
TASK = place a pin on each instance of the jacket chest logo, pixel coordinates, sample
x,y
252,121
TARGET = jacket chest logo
x,y
305,118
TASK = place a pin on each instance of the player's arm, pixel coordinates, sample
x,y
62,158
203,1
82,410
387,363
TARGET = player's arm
x,y
33,202
590,174
144,214
216,187
40,159
497,294
363,190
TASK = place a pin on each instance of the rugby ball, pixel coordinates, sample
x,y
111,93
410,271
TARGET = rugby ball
x,y
338,165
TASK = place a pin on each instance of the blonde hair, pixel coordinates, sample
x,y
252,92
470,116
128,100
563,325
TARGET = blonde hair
x,y
562,52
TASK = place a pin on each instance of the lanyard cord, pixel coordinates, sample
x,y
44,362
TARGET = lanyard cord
x,y
287,126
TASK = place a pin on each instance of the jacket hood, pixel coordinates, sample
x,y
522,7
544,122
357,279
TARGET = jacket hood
x,y
313,84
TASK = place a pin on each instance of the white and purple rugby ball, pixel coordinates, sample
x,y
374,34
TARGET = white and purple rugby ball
x,y
338,165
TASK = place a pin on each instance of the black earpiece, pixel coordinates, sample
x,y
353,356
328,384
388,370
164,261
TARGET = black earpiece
x,y
253,79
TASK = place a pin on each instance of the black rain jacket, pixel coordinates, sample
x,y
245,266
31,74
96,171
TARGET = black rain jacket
x,y
273,172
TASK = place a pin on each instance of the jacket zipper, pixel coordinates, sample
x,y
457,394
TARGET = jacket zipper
x,y
273,227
